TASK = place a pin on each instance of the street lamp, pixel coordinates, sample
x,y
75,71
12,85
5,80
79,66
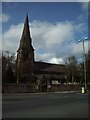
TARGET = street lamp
x,y
85,75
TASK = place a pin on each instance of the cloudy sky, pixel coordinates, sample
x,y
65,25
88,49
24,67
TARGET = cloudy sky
x,y
55,28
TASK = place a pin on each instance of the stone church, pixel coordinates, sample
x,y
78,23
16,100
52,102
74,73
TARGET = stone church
x,y
31,71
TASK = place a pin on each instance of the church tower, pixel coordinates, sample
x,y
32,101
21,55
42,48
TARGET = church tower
x,y
25,54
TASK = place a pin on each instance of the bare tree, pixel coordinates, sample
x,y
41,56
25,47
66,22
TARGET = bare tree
x,y
8,67
72,69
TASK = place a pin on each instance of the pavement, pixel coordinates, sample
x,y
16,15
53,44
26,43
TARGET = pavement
x,y
42,93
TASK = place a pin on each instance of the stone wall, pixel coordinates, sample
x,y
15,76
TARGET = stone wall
x,y
21,88
62,87
32,88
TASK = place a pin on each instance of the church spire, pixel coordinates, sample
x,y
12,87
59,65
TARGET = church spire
x,y
25,53
26,41
26,31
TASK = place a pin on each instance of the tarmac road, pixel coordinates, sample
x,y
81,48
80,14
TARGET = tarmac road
x,y
45,105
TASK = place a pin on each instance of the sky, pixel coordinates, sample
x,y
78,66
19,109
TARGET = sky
x,y
55,28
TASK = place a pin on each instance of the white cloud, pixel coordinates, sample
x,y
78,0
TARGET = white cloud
x,y
48,57
11,38
58,33
80,27
52,42
84,12
56,60
84,5
43,57
4,17
50,35
77,48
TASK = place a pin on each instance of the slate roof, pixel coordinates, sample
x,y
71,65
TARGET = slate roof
x,y
42,67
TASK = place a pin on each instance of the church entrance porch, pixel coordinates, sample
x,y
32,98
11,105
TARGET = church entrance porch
x,y
42,83
44,86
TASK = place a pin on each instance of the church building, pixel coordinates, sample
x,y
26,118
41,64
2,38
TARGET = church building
x,y
31,71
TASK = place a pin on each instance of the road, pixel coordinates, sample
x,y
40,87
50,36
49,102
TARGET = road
x,y
45,105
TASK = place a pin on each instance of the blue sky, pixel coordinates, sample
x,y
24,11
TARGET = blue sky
x,y
51,12
55,28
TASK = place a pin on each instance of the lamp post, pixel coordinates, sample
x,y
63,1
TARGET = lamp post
x,y
85,75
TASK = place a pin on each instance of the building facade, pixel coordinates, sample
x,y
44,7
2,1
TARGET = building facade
x,y
31,71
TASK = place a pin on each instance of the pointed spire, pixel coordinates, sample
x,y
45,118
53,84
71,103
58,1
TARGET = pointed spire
x,y
26,32
26,21
26,41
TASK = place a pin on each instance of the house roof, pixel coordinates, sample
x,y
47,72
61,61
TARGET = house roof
x,y
43,67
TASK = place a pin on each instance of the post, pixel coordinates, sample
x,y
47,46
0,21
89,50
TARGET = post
x,y
17,81
85,77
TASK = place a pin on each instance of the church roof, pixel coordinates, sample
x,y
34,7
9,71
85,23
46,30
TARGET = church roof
x,y
42,67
